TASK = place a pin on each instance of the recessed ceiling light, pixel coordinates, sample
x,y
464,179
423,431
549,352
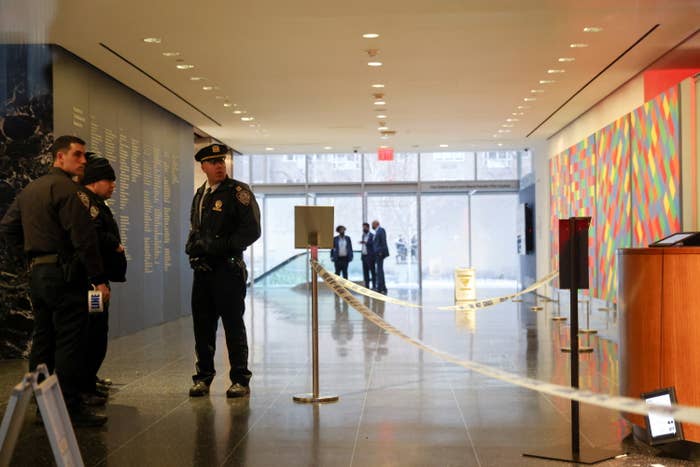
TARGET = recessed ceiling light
x,y
237,112
228,104
374,63
504,131
207,88
247,119
171,54
382,128
384,137
529,99
252,125
500,144
378,85
269,149
379,103
512,119
523,106
537,91
381,116
152,40
592,29
508,125
184,66
566,59
370,35
555,71
547,81
196,78
327,148
444,145
578,45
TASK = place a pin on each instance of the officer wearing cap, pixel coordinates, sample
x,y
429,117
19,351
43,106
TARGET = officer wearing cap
x,y
51,219
224,221
99,181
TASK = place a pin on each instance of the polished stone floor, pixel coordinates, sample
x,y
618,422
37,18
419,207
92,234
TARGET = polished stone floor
x,y
398,406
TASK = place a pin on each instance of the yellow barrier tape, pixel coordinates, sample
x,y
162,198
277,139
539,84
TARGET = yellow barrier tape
x,y
487,302
682,413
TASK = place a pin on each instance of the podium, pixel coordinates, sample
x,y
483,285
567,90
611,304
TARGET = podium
x,y
658,297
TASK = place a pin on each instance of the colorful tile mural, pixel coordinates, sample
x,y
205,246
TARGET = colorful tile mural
x,y
612,203
627,178
655,169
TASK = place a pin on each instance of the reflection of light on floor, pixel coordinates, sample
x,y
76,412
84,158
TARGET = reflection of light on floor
x,y
466,319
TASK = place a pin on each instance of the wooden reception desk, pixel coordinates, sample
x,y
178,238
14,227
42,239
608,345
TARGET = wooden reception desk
x,y
659,303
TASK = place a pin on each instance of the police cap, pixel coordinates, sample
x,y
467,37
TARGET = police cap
x,y
97,168
211,152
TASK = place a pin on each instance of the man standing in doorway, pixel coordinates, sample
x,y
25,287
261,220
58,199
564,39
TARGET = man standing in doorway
x,y
381,251
368,269
224,221
341,254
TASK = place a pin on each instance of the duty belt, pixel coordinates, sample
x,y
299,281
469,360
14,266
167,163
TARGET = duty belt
x,y
43,259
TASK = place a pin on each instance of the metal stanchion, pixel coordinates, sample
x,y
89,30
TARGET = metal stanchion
x,y
314,396
587,329
558,316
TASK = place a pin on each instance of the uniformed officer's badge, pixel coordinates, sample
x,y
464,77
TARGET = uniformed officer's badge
x,y
217,205
244,197
94,212
84,199
215,149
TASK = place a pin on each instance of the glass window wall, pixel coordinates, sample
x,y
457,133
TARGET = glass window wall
x,y
497,165
335,168
447,166
403,168
445,237
279,168
494,248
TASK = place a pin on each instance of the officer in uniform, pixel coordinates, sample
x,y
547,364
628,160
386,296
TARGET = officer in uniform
x,y
51,218
100,181
224,221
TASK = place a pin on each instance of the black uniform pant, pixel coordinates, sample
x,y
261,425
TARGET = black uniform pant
x,y
60,327
369,271
220,294
97,337
379,264
341,266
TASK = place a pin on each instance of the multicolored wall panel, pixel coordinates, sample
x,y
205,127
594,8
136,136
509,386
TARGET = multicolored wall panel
x,y
613,203
627,178
582,158
655,169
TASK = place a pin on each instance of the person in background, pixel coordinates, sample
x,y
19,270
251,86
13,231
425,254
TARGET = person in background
x,y
224,221
100,181
50,218
381,251
368,269
341,254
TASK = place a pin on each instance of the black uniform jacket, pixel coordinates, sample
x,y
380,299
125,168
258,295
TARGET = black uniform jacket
x,y
230,221
51,216
109,238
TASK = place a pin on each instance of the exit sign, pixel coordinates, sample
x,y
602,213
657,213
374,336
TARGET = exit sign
x,y
386,154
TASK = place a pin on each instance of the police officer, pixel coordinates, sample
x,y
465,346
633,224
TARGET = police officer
x,y
51,218
224,221
100,181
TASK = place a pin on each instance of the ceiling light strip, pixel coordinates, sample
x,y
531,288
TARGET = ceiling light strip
x,y
117,54
625,52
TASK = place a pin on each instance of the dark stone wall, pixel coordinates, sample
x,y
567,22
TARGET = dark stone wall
x,y
26,133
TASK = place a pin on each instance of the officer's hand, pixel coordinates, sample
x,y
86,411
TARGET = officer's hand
x,y
120,249
196,248
200,264
105,292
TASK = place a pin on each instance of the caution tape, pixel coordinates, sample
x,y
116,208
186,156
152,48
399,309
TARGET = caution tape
x,y
461,307
682,413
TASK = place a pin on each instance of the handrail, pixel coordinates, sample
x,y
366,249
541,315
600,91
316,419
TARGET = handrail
x,y
281,265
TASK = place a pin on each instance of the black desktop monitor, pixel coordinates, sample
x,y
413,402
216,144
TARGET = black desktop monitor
x,y
679,239
662,428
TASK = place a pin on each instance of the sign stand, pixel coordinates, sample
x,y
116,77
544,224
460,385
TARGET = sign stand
x,y
313,228
53,412
573,239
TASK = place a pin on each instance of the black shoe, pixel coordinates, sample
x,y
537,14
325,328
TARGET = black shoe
x,y
91,399
237,390
199,389
101,392
82,416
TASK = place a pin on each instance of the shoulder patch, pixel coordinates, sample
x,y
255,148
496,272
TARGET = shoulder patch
x,y
84,199
94,212
243,196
